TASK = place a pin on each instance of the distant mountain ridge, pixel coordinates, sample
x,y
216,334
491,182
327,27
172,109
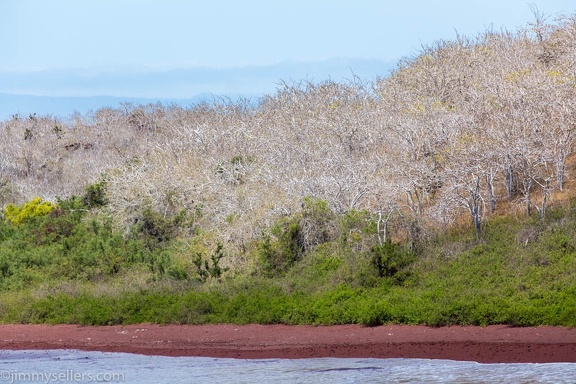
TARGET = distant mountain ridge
x,y
64,91
25,105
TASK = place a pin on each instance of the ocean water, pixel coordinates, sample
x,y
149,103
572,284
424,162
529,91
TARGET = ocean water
x,y
71,366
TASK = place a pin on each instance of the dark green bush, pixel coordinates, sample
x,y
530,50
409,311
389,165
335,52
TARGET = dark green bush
x,y
155,230
279,254
293,236
391,260
209,268
95,195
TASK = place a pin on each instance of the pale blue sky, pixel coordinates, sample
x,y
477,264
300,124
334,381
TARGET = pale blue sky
x,y
41,34
132,48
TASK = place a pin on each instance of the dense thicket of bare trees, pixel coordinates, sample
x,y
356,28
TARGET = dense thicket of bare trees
x,y
461,128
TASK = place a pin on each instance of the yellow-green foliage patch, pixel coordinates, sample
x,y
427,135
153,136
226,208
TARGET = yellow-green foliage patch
x,y
34,208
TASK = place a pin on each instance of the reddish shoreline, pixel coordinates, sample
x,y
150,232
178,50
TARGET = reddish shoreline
x,y
492,344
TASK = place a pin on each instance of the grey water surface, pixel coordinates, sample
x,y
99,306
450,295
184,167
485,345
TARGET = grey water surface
x,y
71,366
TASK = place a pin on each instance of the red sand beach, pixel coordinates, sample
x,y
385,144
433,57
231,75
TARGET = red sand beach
x,y
492,344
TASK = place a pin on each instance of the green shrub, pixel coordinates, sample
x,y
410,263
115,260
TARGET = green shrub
x,y
293,236
391,260
357,229
154,229
95,195
279,254
212,268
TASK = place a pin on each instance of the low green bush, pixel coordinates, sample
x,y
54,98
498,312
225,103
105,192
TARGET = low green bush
x,y
391,260
209,268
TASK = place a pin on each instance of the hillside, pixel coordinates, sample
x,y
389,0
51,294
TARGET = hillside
x,y
439,194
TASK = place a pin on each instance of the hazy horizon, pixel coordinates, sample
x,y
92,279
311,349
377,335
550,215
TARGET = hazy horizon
x,y
180,50
62,92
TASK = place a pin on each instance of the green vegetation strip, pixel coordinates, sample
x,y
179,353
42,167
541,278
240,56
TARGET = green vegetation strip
x,y
67,264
